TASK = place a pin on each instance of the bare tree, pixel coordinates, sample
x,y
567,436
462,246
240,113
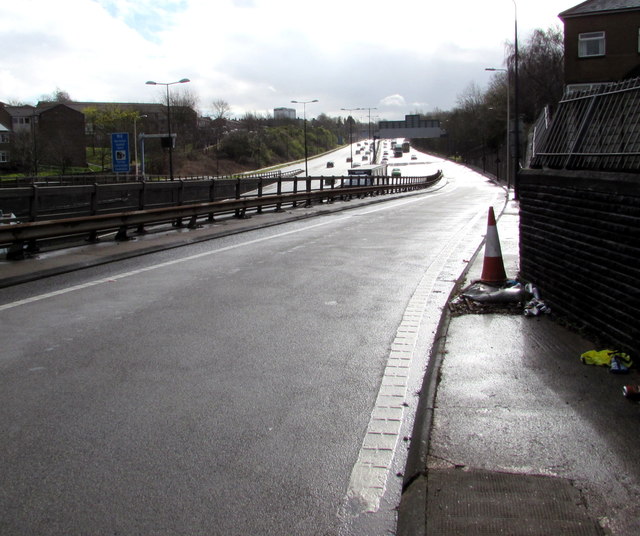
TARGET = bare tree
x,y
540,71
221,109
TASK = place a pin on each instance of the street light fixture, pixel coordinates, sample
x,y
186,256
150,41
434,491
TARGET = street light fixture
x,y
304,115
167,84
493,69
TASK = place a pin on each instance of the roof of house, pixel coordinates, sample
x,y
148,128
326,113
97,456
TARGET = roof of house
x,y
82,106
24,110
593,7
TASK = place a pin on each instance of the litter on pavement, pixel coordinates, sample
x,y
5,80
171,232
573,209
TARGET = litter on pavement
x,y
513,297
617,361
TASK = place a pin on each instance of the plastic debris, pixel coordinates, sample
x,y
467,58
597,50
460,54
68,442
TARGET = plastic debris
x,y
484,293
618,362
535,306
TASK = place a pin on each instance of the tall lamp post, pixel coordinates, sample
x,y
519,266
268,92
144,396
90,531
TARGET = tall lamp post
x,y
351,129
508,125
369,125
369,130
135,140
304,116
167,84
516,111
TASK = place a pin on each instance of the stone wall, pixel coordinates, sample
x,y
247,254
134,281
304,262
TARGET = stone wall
x,y
580,245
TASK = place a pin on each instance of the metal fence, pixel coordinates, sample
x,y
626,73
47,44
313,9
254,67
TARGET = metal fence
x,y
118,178
596,128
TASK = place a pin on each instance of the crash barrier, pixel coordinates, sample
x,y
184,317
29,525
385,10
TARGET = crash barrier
x,y
24,237
579,244
39,202
112,178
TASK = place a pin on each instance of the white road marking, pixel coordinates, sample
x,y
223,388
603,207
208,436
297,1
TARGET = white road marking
x,y
370,472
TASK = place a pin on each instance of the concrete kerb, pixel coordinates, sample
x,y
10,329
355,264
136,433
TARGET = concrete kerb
x,y
412,512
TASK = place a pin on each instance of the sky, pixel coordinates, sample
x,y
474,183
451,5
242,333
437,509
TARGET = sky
x,y
399,57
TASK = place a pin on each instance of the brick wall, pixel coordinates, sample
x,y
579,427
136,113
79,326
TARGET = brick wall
x,y
580,245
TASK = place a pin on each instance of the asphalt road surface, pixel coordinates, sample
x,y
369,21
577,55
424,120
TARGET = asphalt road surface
x,y
238,386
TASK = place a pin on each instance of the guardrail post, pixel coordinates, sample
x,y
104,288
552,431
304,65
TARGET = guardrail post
x,y
279,192
33,205
308,190
178,222
212,198
141,199
237,214
295,191
121,235
259,209
93,235
193,222
15,252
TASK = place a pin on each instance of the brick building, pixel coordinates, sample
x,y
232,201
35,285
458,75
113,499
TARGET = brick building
x,y
601,41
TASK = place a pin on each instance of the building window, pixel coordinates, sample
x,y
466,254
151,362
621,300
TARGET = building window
x,y
591,44
4,157
4,138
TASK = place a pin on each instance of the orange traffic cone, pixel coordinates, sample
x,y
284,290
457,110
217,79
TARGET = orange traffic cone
x,y
493,268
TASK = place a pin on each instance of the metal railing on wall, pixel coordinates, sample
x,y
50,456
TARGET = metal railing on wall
x,y
23,237
596,128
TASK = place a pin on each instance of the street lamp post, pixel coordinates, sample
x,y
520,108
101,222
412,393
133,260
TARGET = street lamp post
x,y
135,140
369,132
304,116
508,125
516,111
350,129
167,84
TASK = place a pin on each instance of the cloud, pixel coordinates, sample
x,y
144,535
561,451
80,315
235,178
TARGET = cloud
x,y
393,101
261,54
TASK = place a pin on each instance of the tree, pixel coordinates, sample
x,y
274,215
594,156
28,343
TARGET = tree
x,y
540,71
102,122
58,95
221,109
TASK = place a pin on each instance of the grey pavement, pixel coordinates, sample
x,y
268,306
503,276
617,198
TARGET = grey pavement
x,y
514,434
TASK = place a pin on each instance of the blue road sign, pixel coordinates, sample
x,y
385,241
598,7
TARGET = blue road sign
x,y
120,152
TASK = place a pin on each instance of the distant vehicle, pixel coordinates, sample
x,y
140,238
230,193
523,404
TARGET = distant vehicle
x,y
395,172
356,164
364,175
329,164
397,151
365,158
385,160
414,157
406,146
348,159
